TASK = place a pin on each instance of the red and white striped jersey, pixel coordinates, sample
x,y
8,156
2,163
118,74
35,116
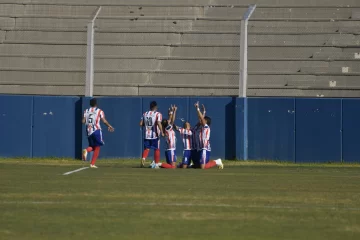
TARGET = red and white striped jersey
x,y
150,119
170,138
92,119
187,138
205,137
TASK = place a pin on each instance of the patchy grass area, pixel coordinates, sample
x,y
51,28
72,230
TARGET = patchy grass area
x,y
252,200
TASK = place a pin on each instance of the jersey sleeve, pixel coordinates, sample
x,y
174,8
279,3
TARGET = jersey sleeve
x,y
206,126
102,114
159,117
84,115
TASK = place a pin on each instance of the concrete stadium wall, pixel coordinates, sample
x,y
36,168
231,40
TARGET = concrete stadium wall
x,y
284,129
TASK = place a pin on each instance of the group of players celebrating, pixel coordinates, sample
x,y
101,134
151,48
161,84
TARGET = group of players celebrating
x,y
196,140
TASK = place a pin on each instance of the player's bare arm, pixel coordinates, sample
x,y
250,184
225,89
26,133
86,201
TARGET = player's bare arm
x,y
174,109
141,123
110,128
83,120
200,115
160,127
203,110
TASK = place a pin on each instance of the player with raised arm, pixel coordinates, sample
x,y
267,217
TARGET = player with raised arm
x,y
151,121
205,122
186,134
91,119
170,153
196,146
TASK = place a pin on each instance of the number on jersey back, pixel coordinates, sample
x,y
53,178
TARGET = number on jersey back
x,y
92,119
150,119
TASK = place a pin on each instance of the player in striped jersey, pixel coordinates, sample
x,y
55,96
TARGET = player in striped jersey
x,y
170,153
151,121
91,119
187,138
196,148
205,122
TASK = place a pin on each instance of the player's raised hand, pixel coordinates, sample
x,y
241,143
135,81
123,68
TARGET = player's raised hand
x,y
203,108
111,129
196,104
175,108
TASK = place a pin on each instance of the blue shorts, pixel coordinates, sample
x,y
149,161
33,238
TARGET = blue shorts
x,y
152,143
204,156
170,156
95,139
187,157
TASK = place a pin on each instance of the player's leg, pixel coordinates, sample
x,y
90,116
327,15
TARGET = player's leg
x,y
88,149
204,158
170,160
196,158
186,159
147,145
206,163
156,147
98,142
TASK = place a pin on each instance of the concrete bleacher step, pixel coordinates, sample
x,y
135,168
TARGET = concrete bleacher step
x,y
169,64
267,3
150,64
17,10
355,55
180,39
304,92
277,81
7,23
42,78
288,13
231,53
253,52
181,26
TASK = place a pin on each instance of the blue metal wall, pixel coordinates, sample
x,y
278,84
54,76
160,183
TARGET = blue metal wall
x,y
350,130
16,119
271,128
318,130
286,129
54,126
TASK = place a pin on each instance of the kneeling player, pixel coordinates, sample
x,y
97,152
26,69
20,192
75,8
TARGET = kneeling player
x,y
205,142
170,137
186,135
91,119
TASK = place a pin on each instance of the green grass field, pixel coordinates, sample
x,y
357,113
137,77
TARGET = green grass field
x,y
121,201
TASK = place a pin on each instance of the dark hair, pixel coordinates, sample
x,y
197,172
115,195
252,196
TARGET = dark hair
x,y
93,102
164,123
153,104
208,120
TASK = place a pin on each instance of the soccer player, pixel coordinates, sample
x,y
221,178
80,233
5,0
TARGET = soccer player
x,y
91,119
196,148
187,138
170,137
151,121
205,122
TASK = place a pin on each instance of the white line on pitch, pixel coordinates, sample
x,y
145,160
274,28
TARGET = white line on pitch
x,y
77,170
333,208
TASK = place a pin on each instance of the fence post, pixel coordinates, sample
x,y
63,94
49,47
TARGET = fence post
x,y
89,85
243,75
